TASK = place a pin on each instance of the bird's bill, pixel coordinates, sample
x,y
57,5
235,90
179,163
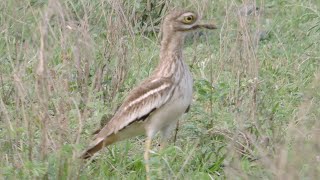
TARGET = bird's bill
x,y
198,26
205,25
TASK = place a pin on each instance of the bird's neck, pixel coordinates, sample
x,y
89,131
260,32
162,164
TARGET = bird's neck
x,y
170,54
171,46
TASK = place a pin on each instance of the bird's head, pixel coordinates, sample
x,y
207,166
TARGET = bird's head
x,y
183,21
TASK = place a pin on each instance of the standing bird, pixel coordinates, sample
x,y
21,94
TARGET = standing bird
x,y
158,102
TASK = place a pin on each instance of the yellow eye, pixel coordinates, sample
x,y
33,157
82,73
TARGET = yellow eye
x,y
188,19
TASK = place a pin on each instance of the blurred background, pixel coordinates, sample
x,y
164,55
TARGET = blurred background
x,y
66,65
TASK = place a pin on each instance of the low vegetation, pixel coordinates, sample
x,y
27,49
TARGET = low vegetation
x,y
67,65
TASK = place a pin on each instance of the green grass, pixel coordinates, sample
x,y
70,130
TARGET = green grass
x,y
255,112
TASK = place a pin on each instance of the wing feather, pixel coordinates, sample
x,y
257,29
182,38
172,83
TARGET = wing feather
x,y
147,97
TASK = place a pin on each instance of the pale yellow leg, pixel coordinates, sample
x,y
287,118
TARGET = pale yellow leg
x,y
146,157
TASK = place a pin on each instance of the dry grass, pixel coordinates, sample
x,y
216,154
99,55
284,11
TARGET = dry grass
x,y
67,64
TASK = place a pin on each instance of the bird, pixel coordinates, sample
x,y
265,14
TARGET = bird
x,y
156,104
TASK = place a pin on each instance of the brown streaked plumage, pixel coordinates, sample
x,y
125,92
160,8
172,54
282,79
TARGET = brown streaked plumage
x,y
157,103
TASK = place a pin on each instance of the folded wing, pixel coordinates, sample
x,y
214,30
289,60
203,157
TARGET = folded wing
x,y
141,101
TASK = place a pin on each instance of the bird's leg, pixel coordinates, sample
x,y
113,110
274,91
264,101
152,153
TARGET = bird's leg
x,y
175,133
146,156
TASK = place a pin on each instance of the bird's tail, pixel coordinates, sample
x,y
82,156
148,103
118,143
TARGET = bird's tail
x,y
98,144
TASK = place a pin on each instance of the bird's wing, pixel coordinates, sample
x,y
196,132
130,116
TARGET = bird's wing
x,y
141,101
